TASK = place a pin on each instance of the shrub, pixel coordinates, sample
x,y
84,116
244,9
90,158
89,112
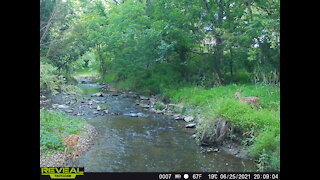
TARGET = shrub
x,y
48,79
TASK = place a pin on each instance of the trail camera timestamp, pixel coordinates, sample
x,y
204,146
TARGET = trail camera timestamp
x,y
243,176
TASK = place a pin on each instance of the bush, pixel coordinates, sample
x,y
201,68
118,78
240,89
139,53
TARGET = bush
x,y
48,79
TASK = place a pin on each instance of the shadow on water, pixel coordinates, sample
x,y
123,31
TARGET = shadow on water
x,y
152,143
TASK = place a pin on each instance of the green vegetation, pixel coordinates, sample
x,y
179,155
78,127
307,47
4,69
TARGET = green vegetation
x,y
197,53
54,126
263,123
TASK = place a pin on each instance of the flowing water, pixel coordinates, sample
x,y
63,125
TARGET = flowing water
x,y
148,143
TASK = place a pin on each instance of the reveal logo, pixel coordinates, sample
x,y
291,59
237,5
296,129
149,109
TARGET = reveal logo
x,y
62,173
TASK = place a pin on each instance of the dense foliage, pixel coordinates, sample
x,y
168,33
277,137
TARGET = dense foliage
x,y
205,42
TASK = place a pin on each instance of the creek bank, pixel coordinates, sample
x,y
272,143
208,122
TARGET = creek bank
x,y
53,158
220,135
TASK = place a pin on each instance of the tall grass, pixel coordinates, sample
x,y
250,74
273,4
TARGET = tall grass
x,y
264,123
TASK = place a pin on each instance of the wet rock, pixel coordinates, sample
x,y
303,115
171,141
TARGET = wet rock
x,y
134,115
158,111
62,106
188,118
144,98
106,111
99,94
55,105
72,93
69,111
94,101
168,113
141,115
177,118
145,105
191,125
115,113
79,114
175,107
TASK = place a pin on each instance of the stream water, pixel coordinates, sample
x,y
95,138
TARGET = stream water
x,y
148,143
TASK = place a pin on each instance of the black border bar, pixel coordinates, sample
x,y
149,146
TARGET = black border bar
x,y
178,176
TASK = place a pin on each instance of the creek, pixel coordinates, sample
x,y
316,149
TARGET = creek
x,y
147,143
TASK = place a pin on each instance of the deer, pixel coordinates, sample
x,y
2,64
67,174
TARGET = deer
x,y
247,100
71,142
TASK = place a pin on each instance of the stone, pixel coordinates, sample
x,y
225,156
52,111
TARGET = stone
x,y
62,106
79,114
144,98
134,115
188,118
141,115
69,110
191,125
178,118
99,94
106,111
158,111
55,105
145,105
96,101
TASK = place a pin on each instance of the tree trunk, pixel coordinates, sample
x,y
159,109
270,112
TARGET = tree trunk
x,y
101,60
231,65
219,44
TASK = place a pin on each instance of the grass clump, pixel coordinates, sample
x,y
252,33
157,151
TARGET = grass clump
x,y
54,126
